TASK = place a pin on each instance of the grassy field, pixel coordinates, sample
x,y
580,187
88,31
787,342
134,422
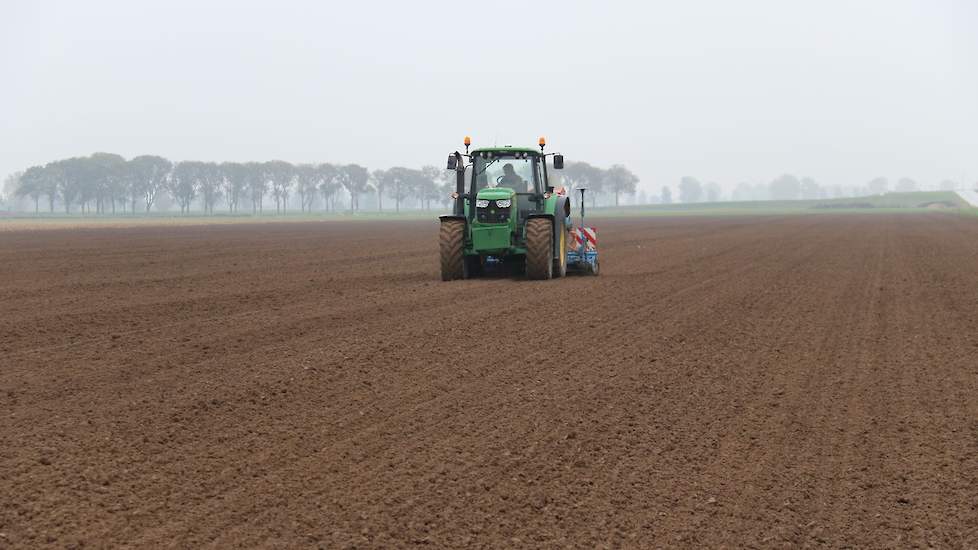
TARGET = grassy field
x,y
890,202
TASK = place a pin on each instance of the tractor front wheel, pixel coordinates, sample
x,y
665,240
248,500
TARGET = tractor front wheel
x,y
451,241
539,248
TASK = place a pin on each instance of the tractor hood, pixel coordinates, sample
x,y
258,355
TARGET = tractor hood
x,y
496,193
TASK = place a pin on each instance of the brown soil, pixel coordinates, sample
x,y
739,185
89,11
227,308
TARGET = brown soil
x,y
735,382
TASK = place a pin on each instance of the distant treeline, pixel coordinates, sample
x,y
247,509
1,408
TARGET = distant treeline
x,y
106,183
788,187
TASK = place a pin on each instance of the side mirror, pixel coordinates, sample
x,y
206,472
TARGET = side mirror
x,y
452,162
558,162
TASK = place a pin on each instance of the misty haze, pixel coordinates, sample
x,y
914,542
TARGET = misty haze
x,y
488,275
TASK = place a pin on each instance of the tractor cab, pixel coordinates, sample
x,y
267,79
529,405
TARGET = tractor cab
x,y
517,176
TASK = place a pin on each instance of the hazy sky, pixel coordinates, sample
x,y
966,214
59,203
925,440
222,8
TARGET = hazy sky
x,y
724,91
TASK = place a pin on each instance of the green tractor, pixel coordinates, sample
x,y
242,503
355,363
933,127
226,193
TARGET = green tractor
x,y
505,212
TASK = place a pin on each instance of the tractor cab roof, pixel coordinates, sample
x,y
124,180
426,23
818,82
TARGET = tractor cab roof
x,y
505,150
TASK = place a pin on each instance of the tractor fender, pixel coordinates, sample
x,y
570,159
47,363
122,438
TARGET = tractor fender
x,y
563,205
447,217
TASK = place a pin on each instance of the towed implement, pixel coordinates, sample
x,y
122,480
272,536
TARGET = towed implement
x,y
505,212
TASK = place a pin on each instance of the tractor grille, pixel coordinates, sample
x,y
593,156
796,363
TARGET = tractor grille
x,y
492,214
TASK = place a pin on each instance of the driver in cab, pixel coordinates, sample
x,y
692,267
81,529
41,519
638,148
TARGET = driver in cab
x,y
512,180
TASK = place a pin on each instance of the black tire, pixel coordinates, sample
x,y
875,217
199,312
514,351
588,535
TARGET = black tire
x,y
594,269
451,241
474,267
539,248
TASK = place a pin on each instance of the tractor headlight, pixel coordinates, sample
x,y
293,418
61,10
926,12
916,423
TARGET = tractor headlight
x,y
481,203
503,203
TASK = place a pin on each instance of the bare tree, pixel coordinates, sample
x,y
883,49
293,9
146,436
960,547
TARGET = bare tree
x,y
329,184
257,185
108,178
355,179
618,180
235,180
210,182
307,180
400,184
149,174
581,175
430,185
666,197
379,180
184,183
25,184
280,175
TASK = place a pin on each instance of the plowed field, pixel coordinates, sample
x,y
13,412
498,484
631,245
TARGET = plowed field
x,y
765,382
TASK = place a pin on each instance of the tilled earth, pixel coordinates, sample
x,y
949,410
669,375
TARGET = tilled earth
x,y
761,382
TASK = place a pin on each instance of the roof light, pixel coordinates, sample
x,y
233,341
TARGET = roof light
x,y
467,141
543,142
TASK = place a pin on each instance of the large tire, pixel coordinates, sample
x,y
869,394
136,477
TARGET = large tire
x,y
451,241
539,248
560,262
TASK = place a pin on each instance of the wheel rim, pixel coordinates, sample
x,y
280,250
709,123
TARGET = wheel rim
x,y
563,251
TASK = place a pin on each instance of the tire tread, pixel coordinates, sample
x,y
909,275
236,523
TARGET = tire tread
x,y
539,248
451,242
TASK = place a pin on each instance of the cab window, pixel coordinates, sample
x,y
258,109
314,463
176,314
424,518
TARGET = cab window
x,y
510,172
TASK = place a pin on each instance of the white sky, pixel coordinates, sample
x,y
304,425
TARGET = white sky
x,y
724,91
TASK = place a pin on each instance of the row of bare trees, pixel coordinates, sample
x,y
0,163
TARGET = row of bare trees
x,y
615,181
108,183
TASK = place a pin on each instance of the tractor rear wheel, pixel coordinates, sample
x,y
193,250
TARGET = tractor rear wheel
x,y
560,262
539,248
451,241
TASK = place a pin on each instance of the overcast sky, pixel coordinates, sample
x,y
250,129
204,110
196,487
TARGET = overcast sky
x,y
725,91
